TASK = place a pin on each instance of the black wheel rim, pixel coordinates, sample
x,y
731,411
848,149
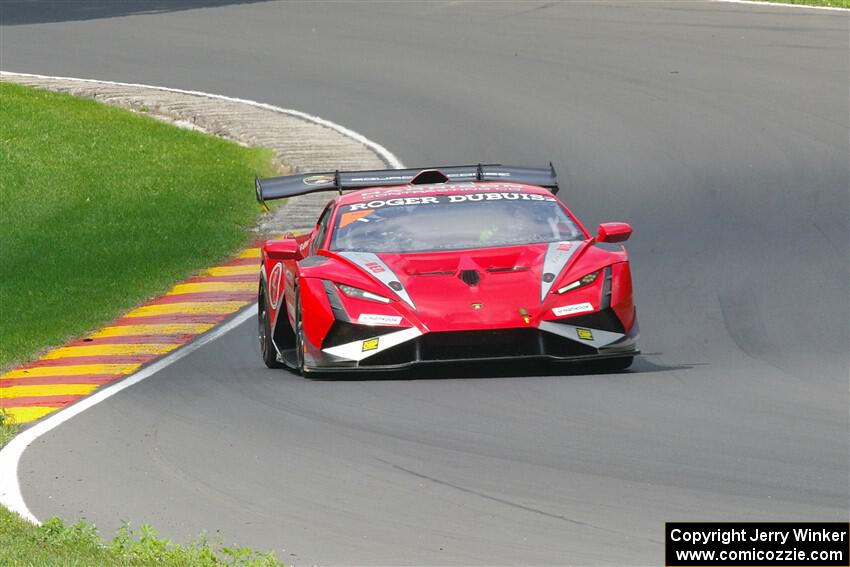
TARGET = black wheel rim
x,y
261,334
262,314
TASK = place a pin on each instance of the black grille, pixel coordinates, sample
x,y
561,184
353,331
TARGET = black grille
x,y
480,344
470,277
342,333
558,346
605,320
471,345
399,354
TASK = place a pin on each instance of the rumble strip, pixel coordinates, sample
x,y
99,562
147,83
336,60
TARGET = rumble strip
x,y
140,337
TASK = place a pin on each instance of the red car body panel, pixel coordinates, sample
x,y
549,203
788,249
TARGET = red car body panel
x,y
507,297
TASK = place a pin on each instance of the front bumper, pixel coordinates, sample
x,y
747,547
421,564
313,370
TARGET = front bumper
x,y
395,349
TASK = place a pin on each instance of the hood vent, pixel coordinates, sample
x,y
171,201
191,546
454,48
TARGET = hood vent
x,y
470,277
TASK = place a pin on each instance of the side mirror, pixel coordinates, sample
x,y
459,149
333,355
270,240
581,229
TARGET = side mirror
x,y
614,232
283,249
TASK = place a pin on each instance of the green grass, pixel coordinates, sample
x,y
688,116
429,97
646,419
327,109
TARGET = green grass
x,y
829,3
8,429
101,208
53,544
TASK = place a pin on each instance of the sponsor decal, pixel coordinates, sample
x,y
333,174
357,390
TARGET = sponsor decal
x,y
377,204
348,218
583,334
275,289
374,319
381,179
477,306
499,197
572,309
374,267
318,179
448,199
444,188
558,254
370,344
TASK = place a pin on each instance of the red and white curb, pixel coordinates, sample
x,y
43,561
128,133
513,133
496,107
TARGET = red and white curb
x,y
66,374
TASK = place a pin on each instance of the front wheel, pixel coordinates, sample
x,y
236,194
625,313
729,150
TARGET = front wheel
x,y
264,332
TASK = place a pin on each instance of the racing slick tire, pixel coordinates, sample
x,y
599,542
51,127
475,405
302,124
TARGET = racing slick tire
x,y
264,332
299,335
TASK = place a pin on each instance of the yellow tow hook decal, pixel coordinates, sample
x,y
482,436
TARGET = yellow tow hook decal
x,y
524,314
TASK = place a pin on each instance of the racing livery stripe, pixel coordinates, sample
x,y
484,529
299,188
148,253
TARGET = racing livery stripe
x,y
557,256
70,372
591,337
375,267
358,350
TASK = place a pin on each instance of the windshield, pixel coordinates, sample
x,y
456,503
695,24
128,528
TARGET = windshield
x,y
451,222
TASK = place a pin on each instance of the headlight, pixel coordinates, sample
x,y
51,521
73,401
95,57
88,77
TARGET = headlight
x,y
362,293
586,280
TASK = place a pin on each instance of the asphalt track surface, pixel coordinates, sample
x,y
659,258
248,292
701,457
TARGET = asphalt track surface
x,y
719,131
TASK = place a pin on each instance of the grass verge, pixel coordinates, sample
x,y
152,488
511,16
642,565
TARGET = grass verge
x,y
8,428
826,3
101,208
53,544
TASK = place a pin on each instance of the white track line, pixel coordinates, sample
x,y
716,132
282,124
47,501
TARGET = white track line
x,y
781,5
10,455
391,160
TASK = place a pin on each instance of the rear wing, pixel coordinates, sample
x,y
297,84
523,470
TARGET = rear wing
x,y
294,185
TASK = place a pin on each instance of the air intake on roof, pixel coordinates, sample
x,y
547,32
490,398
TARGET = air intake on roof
x,y
428,176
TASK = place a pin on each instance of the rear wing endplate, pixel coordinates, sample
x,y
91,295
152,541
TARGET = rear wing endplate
x,y
293,185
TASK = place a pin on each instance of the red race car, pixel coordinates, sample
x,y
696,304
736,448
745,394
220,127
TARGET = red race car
x,y
442,264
